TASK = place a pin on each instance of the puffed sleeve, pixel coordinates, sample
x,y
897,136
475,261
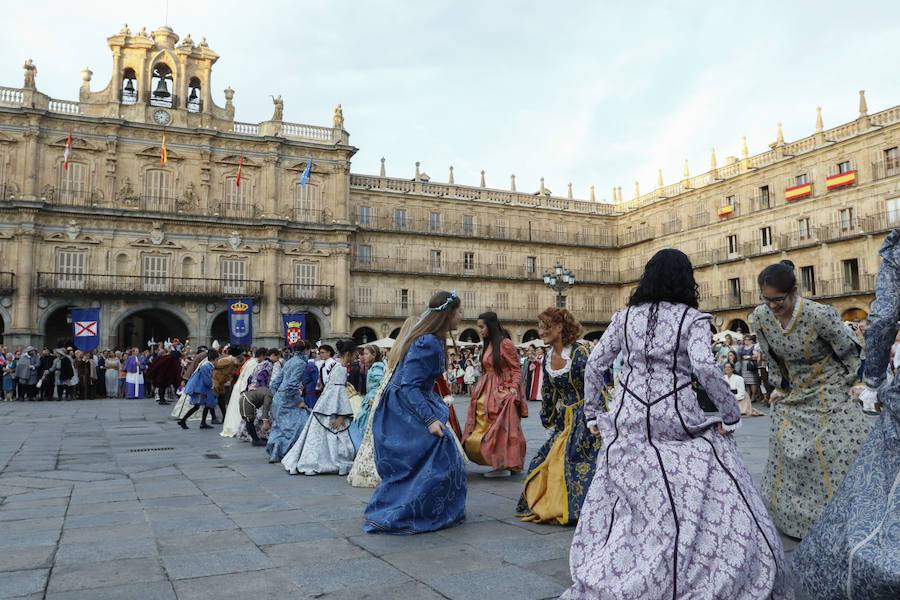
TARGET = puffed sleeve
x,y
884,313
374,377
708,373
422,364
831,328
511,369
600,360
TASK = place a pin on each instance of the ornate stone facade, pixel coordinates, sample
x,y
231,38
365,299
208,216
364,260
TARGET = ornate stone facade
x,y
160,247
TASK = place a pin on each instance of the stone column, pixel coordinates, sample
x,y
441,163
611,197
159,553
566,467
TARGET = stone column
x,y
341,204
23,327
32,160
269,313
340,322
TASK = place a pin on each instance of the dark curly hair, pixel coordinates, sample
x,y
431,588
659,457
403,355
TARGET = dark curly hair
x,y
571,328
668,277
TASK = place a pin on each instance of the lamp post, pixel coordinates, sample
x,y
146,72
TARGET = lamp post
x,y
559,280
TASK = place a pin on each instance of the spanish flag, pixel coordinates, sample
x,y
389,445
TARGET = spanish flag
x,y
798,192
840,180
163,157
237,181
726,211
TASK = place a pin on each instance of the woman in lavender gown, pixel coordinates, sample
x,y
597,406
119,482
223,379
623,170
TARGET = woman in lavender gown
x,y
672,511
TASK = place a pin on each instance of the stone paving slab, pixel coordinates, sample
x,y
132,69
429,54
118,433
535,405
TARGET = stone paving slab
x,y
82,517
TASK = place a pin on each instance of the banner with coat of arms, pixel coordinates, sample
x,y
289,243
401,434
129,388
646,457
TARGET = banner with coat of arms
x,y
240,321
294,328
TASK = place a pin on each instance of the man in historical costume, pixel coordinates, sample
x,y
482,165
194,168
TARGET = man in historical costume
x,y
224,375
232,424
26,374
87,375
45,366
164,372
183,404
255,404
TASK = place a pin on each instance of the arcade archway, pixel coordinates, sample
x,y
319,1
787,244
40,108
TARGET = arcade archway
x,y
218,330
529,335
394,334
469,335
593,335
739,326
364,335
58,328
156,324
854,314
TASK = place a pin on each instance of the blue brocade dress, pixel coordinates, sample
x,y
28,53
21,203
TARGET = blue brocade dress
x,y
361,421
288,417
423,480
853,551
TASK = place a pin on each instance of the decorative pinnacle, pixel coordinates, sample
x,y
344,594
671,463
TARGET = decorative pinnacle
x,y
779,140
637,190
593,195
417,170
450,180
745,152
863,106
569,191
712,160
659,178
381,172
687,170
542,186
482,179
819,125
512,183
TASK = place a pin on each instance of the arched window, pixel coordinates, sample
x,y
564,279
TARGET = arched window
x,y
158,190
129,86
123,265
161,86
193,99
188,267
73,184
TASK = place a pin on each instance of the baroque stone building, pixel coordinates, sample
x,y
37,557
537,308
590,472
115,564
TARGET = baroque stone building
x,y
160,245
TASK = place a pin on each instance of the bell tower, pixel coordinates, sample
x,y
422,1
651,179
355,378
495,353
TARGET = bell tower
x,y
162,79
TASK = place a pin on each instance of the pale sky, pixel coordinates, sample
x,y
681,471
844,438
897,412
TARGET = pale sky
x,y
592,92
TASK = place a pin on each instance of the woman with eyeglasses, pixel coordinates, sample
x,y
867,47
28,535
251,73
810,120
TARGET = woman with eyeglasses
x,y
817,430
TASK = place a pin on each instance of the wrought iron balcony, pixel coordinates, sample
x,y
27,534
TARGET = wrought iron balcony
x,y
886,168
299,215
75,198
401,310
7,283
443,268
306,294
102,284
861,284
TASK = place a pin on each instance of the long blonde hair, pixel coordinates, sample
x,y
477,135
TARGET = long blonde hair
x,y
434,321
393,359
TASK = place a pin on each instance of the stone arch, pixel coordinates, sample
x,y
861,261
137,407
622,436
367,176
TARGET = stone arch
x,y
188,267
469,335
364,335
55,325
854,314
157,319
5,321
529,335
738,325
395,333
593,335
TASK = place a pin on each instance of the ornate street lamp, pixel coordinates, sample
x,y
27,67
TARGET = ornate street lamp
x,y
559,280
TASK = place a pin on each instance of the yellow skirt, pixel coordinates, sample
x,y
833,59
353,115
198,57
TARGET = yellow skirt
x,y
545,487
472,444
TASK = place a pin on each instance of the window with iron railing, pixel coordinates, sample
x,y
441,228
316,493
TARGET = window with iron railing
x,y
469,262
533,302
364,295
468,300
850,271
237,197
734,290
530,265
158,189
502,301
808,280
501,263
892,159
403,297
844,166
73,182
435,222
364,215
847,222
306,276
468,225
893,211
401,220
732,244
765,237
364,254
154,272
801,179
70,268
307,199
435,261
501,228
804,231
234,274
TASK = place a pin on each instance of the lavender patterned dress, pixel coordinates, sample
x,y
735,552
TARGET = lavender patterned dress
x,y
672,511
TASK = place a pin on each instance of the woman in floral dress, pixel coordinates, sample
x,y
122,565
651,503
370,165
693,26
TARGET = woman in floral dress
x,y
563,468
817,430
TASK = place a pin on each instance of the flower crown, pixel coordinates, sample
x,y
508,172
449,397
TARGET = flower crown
x,y
445,305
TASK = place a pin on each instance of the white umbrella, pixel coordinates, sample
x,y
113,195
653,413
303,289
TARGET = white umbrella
x,y
384,343
735,336
535,343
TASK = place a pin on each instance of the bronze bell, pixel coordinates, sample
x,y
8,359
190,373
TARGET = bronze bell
x,y
193,95
162,91
129,86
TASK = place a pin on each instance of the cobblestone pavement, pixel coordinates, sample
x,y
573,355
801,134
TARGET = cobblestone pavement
x,y
110,499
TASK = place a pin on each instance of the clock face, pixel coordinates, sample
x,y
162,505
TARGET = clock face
x,y
161,117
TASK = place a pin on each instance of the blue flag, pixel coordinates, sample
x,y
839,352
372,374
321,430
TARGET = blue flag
x,y
240,321
294,328
86,328
304,179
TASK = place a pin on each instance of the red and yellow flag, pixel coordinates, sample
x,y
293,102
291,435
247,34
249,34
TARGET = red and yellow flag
x,y
237,181
798,192
726,211
163,156
840,180
67,153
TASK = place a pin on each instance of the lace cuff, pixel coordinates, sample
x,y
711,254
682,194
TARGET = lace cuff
x,y
448,400
731,428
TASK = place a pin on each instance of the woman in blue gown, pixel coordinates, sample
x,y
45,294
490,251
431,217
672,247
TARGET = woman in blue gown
x,y
289,408
423,480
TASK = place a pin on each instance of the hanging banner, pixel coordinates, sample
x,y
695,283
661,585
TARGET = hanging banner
x,y
240,321
294,328
86,328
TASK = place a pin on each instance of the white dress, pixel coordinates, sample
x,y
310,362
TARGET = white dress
x,y
232,421
320,448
